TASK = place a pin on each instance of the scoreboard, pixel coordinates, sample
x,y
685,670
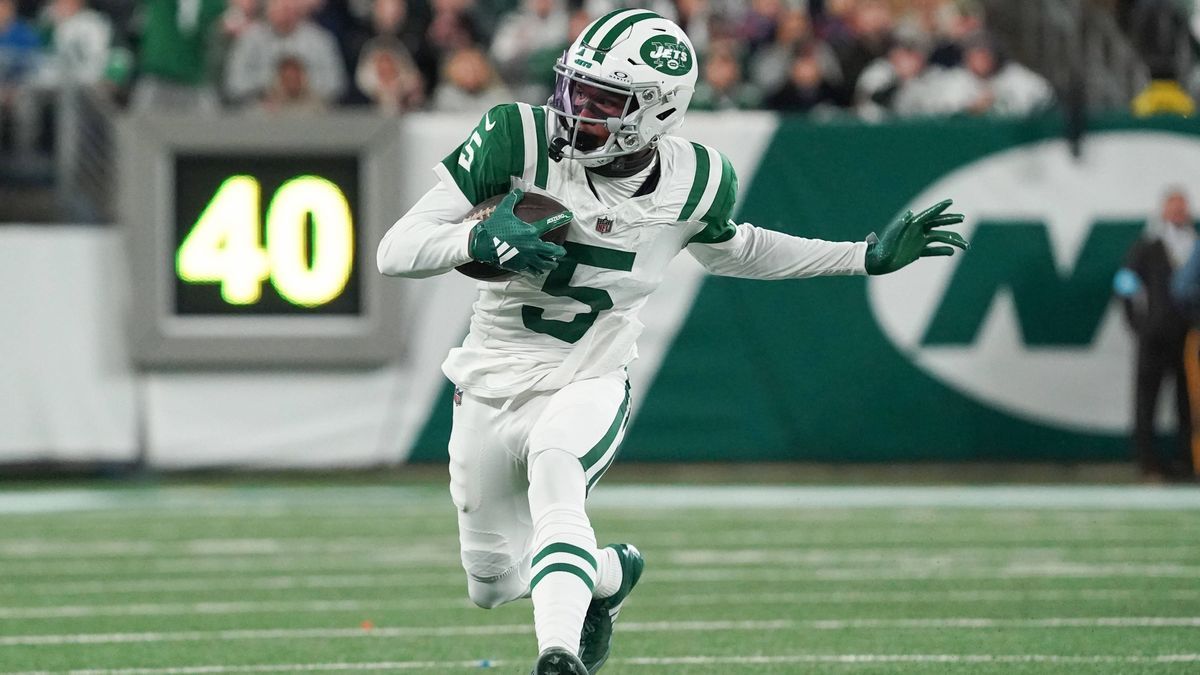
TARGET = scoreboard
x,y
252,240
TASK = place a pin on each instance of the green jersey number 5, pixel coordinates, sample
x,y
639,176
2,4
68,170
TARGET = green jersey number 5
x,y
558,284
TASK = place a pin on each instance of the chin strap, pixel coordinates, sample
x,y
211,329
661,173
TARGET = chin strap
x,y
555,151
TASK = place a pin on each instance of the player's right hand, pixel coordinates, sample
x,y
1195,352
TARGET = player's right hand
x,y
504,240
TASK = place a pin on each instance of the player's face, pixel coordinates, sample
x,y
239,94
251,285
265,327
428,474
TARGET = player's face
x,y
596,103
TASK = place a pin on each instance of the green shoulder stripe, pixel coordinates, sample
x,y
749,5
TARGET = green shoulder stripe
x,y
484,165
718,219
543,147
699,182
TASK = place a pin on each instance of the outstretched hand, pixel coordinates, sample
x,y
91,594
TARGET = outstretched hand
x,y
911,237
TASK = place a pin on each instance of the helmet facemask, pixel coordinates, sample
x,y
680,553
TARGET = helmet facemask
x,y
580,101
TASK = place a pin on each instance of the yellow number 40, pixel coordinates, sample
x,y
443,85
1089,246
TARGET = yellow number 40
x,y
226,246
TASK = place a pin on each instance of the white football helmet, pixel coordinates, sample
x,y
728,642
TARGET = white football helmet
x,y
630,71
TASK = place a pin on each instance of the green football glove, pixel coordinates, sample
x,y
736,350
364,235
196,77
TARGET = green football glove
x,y
910,237
506,241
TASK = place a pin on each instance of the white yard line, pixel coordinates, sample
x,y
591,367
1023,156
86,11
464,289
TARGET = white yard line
x,y
673,600
386,502
126,554
1070,659
249,581
383,559
226,608
654,626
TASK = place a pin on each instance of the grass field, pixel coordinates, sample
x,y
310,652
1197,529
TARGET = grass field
x,y
238,579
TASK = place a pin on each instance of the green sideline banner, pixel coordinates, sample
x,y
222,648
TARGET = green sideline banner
x,y
1012,351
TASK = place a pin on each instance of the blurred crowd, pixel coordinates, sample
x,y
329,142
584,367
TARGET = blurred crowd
x,y
874,58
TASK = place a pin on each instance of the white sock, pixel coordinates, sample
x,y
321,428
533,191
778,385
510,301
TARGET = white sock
x,y
608,573
564,550
560,602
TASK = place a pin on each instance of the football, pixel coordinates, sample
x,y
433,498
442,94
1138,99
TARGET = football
x,y
532,207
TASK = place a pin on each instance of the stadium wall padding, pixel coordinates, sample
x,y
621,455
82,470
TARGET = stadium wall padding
x,y
1012,351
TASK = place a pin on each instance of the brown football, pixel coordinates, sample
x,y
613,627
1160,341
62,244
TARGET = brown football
x,y
532,207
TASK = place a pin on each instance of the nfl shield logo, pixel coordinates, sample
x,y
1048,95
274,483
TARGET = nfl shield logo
x,y
457,396
604,224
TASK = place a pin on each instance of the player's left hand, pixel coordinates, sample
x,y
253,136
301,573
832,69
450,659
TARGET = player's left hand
x,y
911,237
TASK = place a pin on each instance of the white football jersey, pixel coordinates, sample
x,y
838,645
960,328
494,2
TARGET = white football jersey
x,y
580,320
539,333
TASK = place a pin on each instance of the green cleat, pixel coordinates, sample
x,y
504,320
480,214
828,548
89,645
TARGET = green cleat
x,y
596,641
558,661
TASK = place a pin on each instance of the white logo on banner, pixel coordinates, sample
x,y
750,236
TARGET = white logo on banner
x,y
1121,175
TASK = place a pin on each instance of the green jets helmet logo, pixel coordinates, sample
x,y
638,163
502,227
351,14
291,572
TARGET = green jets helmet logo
x,y
667,55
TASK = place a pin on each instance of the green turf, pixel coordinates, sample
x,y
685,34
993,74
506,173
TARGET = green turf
x,y
298,579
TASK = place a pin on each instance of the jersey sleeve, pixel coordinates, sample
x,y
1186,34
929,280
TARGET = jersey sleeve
x,y
484,165
712,198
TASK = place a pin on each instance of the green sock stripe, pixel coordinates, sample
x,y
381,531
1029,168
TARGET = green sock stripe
x,y
699,182
597,452
562,547
563,567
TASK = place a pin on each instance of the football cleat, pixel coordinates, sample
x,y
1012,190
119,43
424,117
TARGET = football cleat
x,y
558,661
596,641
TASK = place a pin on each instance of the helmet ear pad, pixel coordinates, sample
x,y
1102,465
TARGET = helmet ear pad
x,y
660,118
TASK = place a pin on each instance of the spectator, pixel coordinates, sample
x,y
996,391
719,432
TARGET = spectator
x,y
1163,96
19,45
469,84
870,39
390,23
771,66
174,55
834,21
239,15
537,25
453,27
19,51
759,24
807,89
256,54
389,77
694,17
721,86
986,83
1159,328
597,8
957,22
899,83
290,91
80,38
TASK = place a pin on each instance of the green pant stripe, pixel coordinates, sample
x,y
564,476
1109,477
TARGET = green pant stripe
x,y
597,452
599,474
699,182
543,162
562,547
563,567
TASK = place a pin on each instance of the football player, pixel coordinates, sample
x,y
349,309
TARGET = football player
x,y
542,396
